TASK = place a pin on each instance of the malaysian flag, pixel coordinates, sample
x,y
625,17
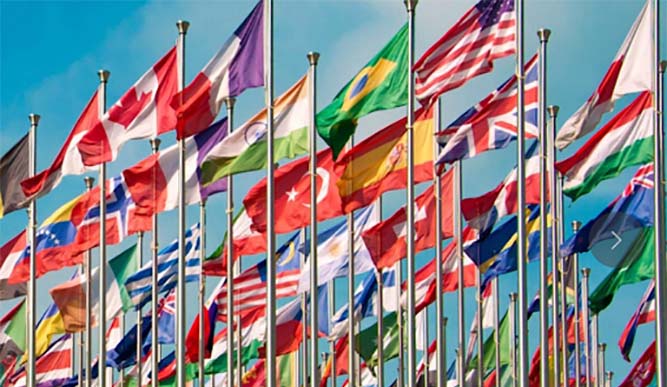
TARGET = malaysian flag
x,y
485,33
250,286
491,123
645,313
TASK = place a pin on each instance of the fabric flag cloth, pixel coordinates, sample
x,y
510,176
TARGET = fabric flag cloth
x,y
142,112
285,375
379,163
630,210
245,149
51,323
630,72
70,297
367,341
292,201
13,170
238,65
153,182
482,212
637,265
166,322
624,141
491,123
208,314
250,286
10,253
13,332
386,241
289,328
642,373
68,161
139,284
468,49
382,84
332,250
645,313
246,242
124,354
114,332
252,338
53,368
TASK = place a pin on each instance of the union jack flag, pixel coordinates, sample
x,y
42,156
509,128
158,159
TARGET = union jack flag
x,y
491,123
642,178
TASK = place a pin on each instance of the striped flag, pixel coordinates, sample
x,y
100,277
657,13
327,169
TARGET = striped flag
x,y
468,49
10,253
139,284
645,313
53,368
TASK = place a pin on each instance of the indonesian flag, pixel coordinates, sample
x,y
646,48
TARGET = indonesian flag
x,y
630,72
142,112
386,242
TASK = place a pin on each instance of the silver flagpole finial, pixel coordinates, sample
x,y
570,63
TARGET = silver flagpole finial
x,y
543,34
183,26
313,57
662,66
89,181
576,225
553,110
410,5
34,119
229,101
104,75
155,144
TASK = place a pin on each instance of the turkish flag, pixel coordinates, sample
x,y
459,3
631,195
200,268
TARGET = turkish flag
x,y
292,195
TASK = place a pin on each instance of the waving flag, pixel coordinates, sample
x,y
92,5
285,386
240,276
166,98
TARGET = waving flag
x,y
630,72
50,324
10,253
382,84
13,170
624,141
53,368
166,322
642,373
13,332
142,112
237,66
124,354
139,284
485,33
289,328
645,313
491,124
379,163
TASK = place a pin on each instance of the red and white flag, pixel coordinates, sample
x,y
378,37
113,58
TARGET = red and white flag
x,y
10,253
485,33
630,72
143,111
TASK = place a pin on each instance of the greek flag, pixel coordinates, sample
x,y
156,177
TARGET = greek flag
x,y
139,284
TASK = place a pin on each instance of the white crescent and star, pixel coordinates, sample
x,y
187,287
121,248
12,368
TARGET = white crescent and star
x,y
322,193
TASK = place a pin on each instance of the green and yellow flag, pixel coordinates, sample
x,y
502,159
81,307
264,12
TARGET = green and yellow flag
x,y
382,84
13,169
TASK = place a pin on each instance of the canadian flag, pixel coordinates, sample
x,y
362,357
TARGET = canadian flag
x,y
143,111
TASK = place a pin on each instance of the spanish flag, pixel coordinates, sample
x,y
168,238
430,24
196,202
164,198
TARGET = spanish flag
x,y
379,163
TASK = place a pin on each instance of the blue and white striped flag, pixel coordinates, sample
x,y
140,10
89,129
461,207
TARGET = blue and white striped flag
x,y
139,284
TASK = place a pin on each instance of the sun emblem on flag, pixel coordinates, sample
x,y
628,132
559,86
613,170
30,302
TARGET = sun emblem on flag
x,y
335,249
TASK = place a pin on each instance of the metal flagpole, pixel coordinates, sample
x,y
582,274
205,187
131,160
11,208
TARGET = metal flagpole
x,y
380,314
239,349
562,267
594,351
304,327
602,349
155,359
458,239
409,207
399,282
270,227
587,338
555,210
351,363
314,370
496,326
332,345
480,330
610,376
140,262
104,78
512,321
521,203
439,305
32,237
88,181
230,102
425,344
577,346
202,290
543,35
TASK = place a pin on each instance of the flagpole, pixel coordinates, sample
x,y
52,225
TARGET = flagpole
x,y
425,344
602,349
270,195
104,78
332,345
88,181
496,326
513,359
140,262
202,290
480,330
32,237
314,350
610,376
155,359
230,102
577,346
594,351
586,272
555,210
304,327
351,363
561,272
410,210
439,306
543,34
239,346
399,281
458,239
380,314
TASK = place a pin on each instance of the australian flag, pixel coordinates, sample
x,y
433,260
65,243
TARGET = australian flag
x,y
491,123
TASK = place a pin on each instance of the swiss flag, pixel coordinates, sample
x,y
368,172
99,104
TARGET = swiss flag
x,y
386,241
292,200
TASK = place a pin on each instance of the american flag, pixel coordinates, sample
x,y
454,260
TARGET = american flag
x,y
491,123
485,33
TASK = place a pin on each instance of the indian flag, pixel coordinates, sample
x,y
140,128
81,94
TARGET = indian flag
x,y
245,148
626,140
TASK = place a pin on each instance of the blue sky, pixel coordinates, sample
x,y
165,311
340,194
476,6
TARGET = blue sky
x,y
50,52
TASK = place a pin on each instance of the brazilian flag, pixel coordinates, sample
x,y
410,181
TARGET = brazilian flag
x,y
381,84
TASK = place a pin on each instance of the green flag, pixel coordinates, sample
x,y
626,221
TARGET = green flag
x,y
13,332
636,266
366,341
219,364
122,267
489,359
382,84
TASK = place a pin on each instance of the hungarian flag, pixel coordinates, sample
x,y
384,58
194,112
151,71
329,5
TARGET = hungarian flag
x,y
13,170
379,163
10,253
382,84
630,72
624,141
292,200
142,112
386,241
